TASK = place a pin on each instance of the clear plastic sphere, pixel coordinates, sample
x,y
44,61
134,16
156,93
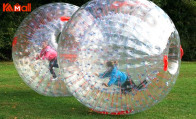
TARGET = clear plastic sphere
x,y
119,56
34,48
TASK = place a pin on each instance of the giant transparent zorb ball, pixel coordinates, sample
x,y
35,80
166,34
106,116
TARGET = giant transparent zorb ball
x,y
42,25
138,35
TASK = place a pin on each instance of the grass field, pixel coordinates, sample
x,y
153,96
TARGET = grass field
x,y
18,101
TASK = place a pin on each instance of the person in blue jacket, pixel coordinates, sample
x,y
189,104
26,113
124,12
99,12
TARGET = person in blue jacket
x,y
119,78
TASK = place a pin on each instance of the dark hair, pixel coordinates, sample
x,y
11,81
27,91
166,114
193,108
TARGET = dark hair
x,y
111,63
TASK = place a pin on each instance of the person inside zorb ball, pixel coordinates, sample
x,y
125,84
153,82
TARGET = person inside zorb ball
x,y
49,53
119,78
119,56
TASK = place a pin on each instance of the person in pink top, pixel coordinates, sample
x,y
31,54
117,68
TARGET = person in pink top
x,y
48,53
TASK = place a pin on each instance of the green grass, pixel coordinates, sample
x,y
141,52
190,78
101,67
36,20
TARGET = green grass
x,y
18,101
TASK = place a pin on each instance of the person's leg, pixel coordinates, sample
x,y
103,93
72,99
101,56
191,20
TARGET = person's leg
x,y
128,85
55,64
142,84
124,86
51,65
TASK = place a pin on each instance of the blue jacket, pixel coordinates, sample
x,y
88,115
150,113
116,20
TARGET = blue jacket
x,y
116,77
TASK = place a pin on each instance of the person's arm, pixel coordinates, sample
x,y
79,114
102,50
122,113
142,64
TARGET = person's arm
x,y
46,54
113,79
40,55
104,75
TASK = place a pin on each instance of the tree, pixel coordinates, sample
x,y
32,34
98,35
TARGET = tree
x,y
182,12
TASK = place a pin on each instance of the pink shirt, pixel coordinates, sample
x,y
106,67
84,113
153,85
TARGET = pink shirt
x,y
48,53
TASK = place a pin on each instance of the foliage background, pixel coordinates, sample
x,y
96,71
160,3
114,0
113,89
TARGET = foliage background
x,y
182,12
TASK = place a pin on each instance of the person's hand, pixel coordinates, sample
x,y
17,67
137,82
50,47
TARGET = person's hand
x,y
105,84
37,57
96,74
